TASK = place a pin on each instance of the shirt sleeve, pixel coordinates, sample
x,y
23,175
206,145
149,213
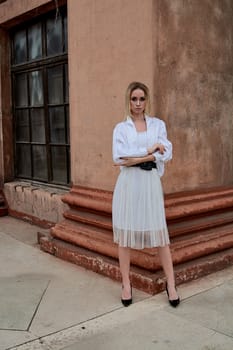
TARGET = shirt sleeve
x,y
162,138
122,147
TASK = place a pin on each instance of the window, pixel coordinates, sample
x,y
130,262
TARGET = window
x,y
41,100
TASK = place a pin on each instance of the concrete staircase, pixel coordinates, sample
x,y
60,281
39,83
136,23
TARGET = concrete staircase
x,y
200,225
3,205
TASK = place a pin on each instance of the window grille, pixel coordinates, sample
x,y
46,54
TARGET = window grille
x,y
41,100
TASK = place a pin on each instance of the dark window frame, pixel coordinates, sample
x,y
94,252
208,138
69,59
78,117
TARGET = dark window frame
x,y
43,64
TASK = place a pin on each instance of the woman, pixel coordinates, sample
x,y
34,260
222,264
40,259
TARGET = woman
x,y
140,148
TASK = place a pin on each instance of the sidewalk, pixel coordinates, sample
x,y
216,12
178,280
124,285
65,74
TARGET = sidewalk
x,y
49,304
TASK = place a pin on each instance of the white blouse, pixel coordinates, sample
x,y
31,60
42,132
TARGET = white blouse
x,y
125,137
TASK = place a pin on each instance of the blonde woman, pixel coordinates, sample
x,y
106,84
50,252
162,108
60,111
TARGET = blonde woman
x,y
140,149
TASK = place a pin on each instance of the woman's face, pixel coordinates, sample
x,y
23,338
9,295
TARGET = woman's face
x,y
137,102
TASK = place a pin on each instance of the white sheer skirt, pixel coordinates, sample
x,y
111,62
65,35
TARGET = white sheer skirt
x,y
138,213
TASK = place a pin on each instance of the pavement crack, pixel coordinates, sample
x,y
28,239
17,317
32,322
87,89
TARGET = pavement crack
x,y
38,305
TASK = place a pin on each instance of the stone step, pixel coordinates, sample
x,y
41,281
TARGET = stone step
x,y
183,248
200,225
177,205
147,281
175,227
90,218
198,202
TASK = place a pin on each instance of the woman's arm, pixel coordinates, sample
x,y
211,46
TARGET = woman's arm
x,y
163,140
130,161
122,148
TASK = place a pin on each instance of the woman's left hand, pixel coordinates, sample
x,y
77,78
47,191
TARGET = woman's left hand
x,y
157,147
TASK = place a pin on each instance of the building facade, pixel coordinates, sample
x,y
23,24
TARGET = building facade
x,y
64,68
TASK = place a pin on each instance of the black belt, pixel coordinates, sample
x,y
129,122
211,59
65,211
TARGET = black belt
x,y
146,165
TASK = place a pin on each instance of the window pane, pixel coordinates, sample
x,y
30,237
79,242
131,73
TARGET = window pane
x,y
22,129
21,91
20,47
41,99
55,85
65,35
54,36
39,157
66,84
57,125
59,164
36,88
23,160
34,41
37,124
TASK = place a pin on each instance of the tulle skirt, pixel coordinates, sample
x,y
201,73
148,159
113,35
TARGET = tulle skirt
x,y
138,213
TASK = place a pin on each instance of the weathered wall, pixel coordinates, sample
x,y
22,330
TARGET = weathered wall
x,y
110,44
11,10
195,90
41,205
183,51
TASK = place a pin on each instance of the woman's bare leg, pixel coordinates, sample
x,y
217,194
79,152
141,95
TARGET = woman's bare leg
x,y
124,261
166,261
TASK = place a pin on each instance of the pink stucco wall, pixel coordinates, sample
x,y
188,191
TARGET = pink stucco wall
x,y
11,8
110,44
195,96
183,51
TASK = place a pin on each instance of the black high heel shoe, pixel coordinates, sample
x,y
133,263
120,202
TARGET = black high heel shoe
x,y
127,302
174,302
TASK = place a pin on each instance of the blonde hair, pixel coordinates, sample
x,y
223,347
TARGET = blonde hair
x,y
134,86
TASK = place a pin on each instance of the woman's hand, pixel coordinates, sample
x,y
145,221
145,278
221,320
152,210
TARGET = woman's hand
x,y
156,147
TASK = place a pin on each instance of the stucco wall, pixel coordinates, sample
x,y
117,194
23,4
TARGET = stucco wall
x,y
39,204
195,94
110,44
183,51
11,8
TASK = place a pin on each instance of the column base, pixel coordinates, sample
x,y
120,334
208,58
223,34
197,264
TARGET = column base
x,y
200,225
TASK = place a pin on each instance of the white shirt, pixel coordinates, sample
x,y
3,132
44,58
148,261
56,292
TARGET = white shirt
x,y
125,141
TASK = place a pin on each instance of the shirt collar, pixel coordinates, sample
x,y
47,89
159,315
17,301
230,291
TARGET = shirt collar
x,y
130,121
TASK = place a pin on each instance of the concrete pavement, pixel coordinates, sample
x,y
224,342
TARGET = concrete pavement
x,y
50,304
